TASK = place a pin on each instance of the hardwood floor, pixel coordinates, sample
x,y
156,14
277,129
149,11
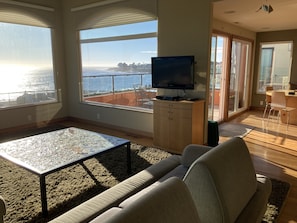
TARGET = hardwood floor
x,y
273,149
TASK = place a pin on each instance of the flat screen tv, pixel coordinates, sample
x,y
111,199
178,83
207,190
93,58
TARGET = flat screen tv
x,y
173,72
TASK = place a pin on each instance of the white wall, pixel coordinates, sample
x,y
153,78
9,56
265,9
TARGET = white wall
x,y
185,29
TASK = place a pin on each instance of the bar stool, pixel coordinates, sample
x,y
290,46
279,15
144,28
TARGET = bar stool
x,y
267,100
279,104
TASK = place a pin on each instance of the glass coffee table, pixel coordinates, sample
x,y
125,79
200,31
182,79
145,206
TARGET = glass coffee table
x,y
49,152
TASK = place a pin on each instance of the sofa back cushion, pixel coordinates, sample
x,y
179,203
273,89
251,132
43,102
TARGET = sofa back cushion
x,y
192,152
167,202
112,197
222,181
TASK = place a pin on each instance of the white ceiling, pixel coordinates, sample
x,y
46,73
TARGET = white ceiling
x,y
243,13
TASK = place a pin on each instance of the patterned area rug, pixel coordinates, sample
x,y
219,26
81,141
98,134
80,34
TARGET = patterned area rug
x,y
71,186
232,130
277,197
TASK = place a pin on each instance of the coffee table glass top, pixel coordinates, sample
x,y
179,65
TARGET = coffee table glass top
x,y
49,151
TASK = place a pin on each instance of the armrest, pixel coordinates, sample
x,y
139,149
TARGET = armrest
x,y
2,209
193,152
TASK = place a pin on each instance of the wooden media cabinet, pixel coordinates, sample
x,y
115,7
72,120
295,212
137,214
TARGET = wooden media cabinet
x,y
178,124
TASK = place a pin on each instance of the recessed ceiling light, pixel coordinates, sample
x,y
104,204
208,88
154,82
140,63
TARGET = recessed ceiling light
x,y
265,8
230,12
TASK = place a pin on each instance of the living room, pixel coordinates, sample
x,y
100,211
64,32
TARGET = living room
x,y
65,21
67,80
68,76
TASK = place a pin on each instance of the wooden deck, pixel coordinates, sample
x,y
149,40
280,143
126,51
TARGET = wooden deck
x,y
127,98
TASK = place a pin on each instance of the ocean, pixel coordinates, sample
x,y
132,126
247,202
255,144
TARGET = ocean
x,y
95,80
104,80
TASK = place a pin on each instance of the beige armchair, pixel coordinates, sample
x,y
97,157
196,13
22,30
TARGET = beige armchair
x,y
2,209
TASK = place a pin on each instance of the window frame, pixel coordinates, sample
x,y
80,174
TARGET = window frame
x,y
270,46
10,104
127,37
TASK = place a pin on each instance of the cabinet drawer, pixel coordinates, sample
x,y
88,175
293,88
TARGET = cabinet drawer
x,y
173,110
172,105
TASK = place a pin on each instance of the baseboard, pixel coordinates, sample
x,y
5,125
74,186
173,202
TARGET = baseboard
x,y
131,132
257,108
128,131
32,126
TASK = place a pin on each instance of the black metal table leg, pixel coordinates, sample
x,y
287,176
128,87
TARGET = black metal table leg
x,y
128,146
43,196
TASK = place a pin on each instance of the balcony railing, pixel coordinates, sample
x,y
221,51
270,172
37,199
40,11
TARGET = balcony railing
x,y
121,89
11,99
113,83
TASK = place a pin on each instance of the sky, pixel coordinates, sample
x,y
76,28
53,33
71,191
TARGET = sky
x,y
217,47
25,45
23,49
107,54
26,48
30,46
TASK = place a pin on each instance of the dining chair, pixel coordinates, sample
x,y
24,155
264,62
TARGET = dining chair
x,y
267,100
142,97
279,104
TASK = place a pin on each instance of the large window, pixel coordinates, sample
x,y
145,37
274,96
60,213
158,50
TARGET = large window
x,y
275,65
116,64
26,65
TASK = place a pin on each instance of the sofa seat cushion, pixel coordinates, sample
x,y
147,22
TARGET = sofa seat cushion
x,y
106,215
166,202
222,182
255,209
178,172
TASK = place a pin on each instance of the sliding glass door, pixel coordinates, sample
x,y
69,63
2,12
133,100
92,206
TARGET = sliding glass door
x,y
217,78
229,77
239,75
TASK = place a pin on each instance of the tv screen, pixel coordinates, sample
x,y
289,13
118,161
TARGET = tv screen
x,y
175,72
